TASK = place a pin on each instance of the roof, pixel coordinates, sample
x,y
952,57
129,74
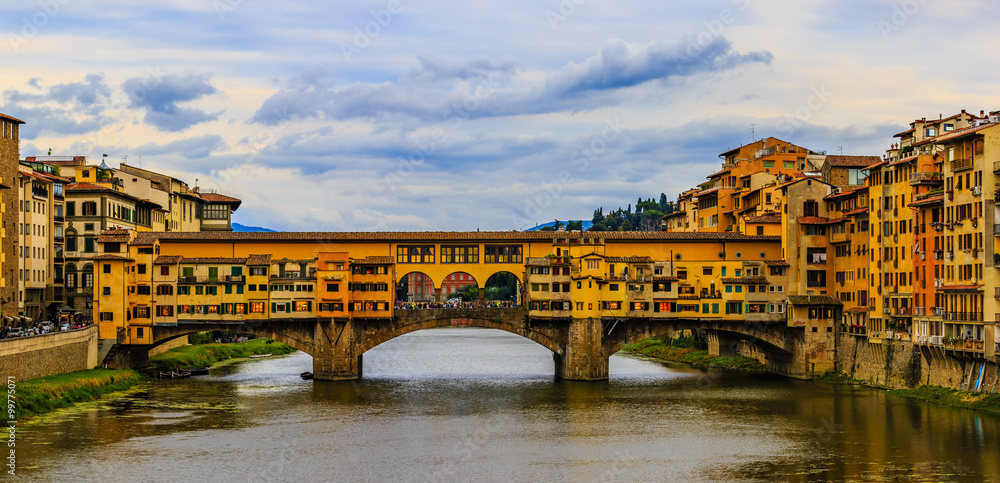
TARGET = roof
x,y
3,186
628,259
94,187
857,309
776,263
812,220
217,198
746,280
963,132
717,173
258,260
929,201
147,238
112,239
844,193
901,134
675,213
214,260
664,278
814,300
962,287
381,260
167,260
11,118
765,219
707,192
857,211
844,161
108,256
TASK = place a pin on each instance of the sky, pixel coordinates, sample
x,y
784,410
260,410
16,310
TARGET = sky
x,y
413,116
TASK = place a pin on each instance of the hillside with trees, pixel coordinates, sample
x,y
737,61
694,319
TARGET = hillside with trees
x,y
646,216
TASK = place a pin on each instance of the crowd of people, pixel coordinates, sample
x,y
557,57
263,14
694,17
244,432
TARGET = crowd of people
x,y
456,304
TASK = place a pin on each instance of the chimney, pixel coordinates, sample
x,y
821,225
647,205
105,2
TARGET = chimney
x,y
982,113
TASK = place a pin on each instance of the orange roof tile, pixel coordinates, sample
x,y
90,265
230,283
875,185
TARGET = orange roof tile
x,y
845,161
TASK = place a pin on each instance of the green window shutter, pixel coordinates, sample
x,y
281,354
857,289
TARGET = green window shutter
x,y
188,271
237,271
704,308
727,309
274,307
229,289
309,305
715,308
239,289
288,306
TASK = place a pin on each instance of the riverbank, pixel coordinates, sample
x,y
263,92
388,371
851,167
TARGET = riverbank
x,y
952,398
686,350
201,355
37,396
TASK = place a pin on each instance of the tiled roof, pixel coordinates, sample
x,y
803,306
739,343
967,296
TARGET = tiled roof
x,y
776,263
147,238
746,280
845,193
963,132
717,173
11,118
814,300
929,201
629,259
57,178
94,187
167,260
962,287
258,260
843,161
673,214
36,175
3,186
106,238
765,219
108,256
214,260
900,134
707,192
217,198
812,220
381,260
856,211
857,309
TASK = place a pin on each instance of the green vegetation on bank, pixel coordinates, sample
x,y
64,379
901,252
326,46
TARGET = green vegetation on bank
x,y
839,377
690,350
201,355
36,396
951,397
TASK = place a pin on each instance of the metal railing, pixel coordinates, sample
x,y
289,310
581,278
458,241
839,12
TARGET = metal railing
x,y
960,164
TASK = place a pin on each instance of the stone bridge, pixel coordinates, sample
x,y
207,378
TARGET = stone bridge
x,y
580,347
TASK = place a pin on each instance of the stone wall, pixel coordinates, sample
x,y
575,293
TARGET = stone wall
x,y
39,356
9,157
170,344
900,364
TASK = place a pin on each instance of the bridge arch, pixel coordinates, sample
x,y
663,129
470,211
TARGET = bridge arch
x,y
415,286
455,281
432,319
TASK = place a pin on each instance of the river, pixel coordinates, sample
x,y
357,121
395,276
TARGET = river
x,y
462,404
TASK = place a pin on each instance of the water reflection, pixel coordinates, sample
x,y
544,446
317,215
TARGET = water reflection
x,y
461,404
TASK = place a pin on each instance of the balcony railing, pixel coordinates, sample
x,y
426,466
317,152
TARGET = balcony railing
x,y
296,275
963,316
961,164
925,176
996,167
206,279
902,311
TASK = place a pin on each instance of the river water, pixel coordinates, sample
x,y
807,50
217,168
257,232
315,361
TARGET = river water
x,y
461,404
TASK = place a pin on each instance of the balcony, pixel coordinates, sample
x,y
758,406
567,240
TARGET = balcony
x,y
996,167
211,280
926,177
961,164
902,311
58,239
295,276
963,316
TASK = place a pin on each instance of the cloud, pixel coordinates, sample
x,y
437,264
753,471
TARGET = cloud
x,y
433,68
589,85
160,94
72,108
196,147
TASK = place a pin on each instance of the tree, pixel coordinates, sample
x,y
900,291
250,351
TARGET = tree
x,y
574,225
468,293
663,202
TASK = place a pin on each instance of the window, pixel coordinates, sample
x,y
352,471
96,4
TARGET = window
x,y
164,290
107,268
184,290
303,306
768,164
164,270
106,290
143,290
415,254
333,287
164,310
89,208
706,271
613,287
140,313
593,264
256,307
611,305
107,316
141,268
215,212
816,278
930,132
258,271
503,254
460,254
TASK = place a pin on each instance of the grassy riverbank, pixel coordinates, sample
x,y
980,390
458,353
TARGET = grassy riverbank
x,y
952,397
687,350
37,396
201,355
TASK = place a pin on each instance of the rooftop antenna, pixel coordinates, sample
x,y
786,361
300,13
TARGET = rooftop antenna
x,y
841,148
753,133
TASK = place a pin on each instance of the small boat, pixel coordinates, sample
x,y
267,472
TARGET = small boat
x,y
258,356
174,374
199,372
306,375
